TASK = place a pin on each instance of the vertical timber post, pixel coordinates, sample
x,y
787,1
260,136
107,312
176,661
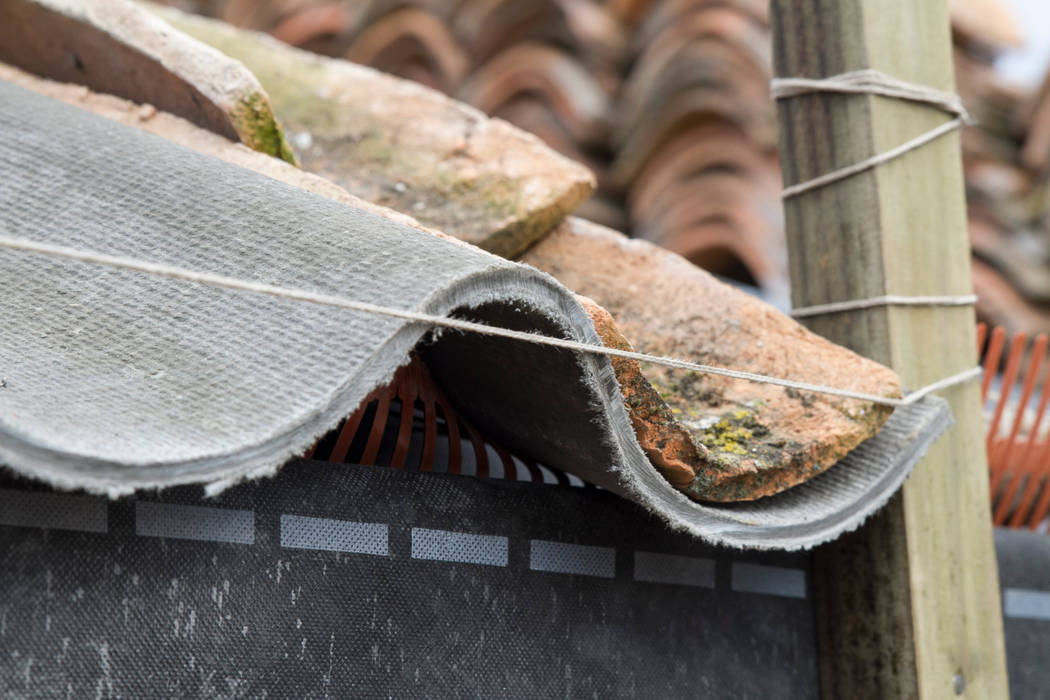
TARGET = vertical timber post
x,y
908,606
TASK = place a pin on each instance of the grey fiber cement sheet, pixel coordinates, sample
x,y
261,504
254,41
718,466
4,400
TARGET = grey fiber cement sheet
x,y
118,380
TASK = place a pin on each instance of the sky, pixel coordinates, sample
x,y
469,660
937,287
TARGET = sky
x,y
1028,65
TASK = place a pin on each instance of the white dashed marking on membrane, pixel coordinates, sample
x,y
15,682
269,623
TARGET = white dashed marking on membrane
x,y
53,511
1026,604
464,547
301,532
769,580
58,511
653,567
194,522
565,558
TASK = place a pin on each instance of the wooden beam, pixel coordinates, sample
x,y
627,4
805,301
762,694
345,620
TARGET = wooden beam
x,y
909,605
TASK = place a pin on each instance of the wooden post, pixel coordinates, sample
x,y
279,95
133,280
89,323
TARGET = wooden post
x,y
909,605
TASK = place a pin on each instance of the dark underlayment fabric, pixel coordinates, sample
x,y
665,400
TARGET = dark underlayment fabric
x,y
117,380
434,586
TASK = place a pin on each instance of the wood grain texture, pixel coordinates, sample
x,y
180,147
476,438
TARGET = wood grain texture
x,y
908,606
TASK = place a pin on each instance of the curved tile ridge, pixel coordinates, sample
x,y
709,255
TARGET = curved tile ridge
x,y
117,381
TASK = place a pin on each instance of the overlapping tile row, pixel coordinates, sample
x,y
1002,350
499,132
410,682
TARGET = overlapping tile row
x,y
667,102
389,141
1005,158
397,144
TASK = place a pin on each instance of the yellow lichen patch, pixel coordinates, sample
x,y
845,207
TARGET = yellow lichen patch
x,y
723,436
737,433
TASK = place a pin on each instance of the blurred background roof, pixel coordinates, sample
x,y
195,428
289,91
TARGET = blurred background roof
x,y
1026,64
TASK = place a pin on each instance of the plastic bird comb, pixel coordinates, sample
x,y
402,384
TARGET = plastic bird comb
x,y
1017,438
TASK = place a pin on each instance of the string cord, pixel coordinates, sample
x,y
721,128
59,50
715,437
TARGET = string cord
x,y
173,272
885,300
872,82
869,81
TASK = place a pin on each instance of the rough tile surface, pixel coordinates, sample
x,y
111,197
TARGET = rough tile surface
x,y
408,147
116,47
667,444
176,129
760,439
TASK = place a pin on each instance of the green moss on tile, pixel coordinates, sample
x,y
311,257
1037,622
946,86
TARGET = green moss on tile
x,y
258,128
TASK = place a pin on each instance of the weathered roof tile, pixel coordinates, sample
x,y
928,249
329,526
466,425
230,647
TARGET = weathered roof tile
x,y
408,147
760,439
114,46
